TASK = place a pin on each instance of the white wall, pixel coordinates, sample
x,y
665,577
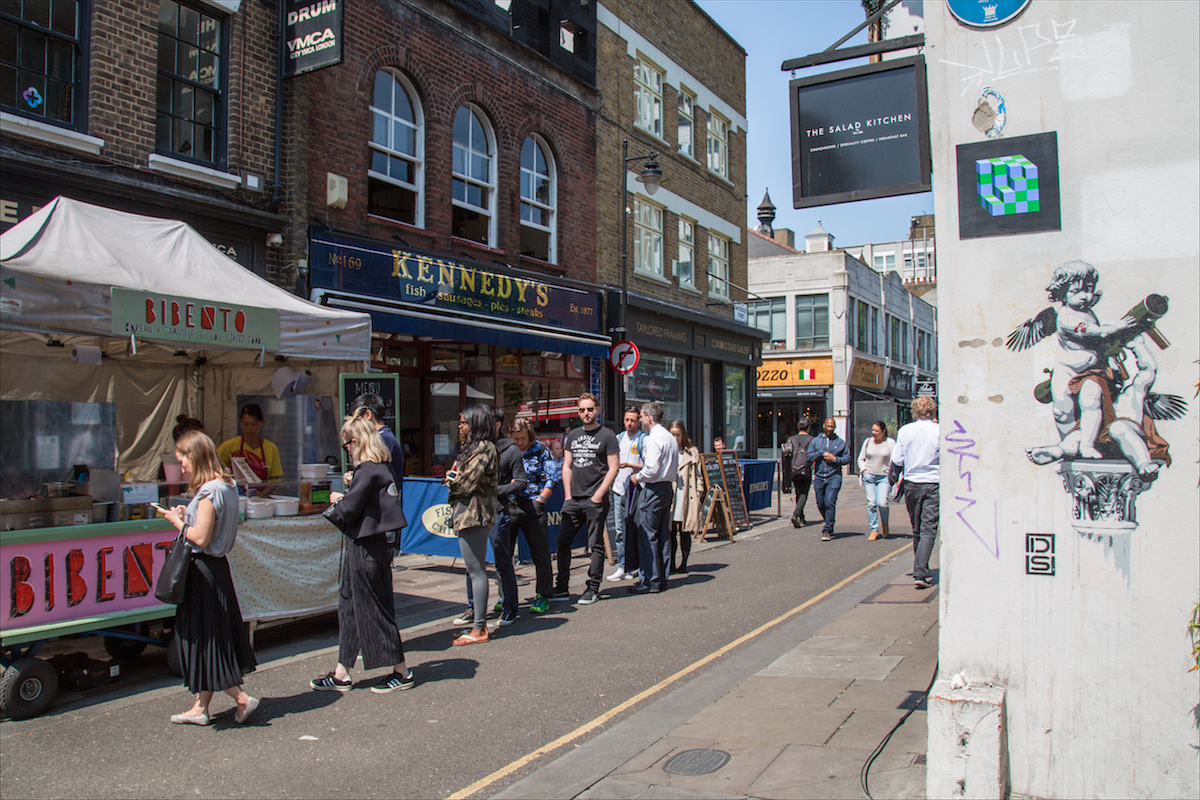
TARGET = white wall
x,y
1095,658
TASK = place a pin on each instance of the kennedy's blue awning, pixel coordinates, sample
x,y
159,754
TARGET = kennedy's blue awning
x,y
386,317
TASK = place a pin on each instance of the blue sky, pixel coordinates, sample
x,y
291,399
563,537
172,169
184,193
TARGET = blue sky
x,y
772,31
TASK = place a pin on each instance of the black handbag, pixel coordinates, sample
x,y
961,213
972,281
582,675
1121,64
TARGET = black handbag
x,y
172,580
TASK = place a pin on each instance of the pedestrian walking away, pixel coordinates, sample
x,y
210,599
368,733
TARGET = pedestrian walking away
x,y
369,514
916,467
590,465
799,468
214,647
620,508
529,516
652,515
471,484
874,463
828,453
689,496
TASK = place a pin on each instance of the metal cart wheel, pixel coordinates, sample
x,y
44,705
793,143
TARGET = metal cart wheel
x,y
27,688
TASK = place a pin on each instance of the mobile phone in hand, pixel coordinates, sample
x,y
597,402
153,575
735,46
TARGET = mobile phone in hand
x,y
452,476
159,508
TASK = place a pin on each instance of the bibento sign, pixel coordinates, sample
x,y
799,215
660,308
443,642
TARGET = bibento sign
x,y
201,323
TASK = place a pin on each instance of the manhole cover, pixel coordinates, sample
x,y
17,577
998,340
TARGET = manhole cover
x,y
696,762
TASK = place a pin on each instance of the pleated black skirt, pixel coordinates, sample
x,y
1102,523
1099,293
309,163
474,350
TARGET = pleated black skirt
x,y
214,647
366,606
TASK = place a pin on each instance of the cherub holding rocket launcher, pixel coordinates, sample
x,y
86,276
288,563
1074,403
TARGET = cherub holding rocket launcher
x,y
1093,404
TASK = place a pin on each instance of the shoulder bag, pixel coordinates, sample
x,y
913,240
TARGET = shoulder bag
x,y
172,580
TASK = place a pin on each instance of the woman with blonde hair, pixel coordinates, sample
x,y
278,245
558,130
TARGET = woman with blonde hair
x,y
368,511
689,495
214,648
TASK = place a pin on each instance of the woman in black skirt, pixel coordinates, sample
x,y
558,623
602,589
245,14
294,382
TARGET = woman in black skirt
x,y
368,511
214,648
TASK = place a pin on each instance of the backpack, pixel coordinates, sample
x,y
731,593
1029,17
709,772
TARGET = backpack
x,y
796,449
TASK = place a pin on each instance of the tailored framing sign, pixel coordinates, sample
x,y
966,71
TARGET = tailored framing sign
x,y
312,36
860,133
1008,186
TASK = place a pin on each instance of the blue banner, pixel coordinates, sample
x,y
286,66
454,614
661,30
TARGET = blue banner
x,y
430,281
429,531
758,482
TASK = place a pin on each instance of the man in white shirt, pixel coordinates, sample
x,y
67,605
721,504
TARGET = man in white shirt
x,y
916,454
629,442
652,512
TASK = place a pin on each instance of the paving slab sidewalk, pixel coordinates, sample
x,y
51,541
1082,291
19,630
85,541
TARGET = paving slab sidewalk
x,y
794,714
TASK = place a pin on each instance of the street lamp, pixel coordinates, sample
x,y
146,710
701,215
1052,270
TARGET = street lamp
x,y
651,177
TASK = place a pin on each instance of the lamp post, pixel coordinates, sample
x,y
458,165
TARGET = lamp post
x,y
651,177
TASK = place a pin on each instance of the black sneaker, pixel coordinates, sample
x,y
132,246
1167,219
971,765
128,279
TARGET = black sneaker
x,y
589,597
465,618
795,522
393,682
560,594
922,583
508,617
826,537
328,683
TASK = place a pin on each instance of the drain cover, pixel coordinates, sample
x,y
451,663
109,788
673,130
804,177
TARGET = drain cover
x,y
696,762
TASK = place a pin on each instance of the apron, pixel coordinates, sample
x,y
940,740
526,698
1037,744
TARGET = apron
x,y
257,463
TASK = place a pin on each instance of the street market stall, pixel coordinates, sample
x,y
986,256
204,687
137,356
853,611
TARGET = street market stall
x,y
111,325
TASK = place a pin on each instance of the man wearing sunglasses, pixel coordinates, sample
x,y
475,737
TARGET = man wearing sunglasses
x,y
590,465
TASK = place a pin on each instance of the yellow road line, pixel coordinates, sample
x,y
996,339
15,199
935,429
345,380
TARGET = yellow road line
x,y
566,738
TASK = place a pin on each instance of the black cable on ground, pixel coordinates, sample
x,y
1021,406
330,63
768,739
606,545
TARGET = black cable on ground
x,y
864,774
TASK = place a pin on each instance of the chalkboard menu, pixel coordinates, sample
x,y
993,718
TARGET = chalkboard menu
x,y
733,489
716,492
387,386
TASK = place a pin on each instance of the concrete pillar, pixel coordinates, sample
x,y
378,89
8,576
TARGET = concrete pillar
x,y
967,751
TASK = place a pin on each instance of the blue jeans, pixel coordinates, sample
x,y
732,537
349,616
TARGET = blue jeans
x,y
652,523
616,524
826,492
876,487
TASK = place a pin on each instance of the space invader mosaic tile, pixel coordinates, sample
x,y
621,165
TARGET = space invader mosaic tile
x,y
1007,185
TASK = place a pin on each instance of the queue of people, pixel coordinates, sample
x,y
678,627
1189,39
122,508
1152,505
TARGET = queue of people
x,y
645,486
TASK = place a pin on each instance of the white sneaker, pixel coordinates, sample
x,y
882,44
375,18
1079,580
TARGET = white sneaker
x,y
619,575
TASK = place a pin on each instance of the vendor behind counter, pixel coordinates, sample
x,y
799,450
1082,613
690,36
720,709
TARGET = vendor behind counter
x,y
260,454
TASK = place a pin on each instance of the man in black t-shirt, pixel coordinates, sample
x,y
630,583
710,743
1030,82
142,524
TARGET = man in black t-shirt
x,y
590,463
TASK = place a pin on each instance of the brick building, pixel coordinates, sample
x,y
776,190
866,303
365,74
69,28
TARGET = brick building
x,y
165,109
441,177
672,82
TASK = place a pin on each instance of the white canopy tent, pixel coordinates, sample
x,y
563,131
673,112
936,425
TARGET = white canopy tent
x,y
57,272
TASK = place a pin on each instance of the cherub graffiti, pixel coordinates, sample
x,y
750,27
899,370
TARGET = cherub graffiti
x,y
1103,412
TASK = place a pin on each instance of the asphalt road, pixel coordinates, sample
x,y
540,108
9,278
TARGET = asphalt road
x,y
474,710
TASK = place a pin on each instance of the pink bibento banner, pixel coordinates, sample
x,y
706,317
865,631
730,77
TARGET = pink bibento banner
x,y
59,581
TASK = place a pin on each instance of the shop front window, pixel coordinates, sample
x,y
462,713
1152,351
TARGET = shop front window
x,y
735,408
661,379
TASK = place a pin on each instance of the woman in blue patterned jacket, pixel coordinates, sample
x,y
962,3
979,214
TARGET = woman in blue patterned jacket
x,y
530,515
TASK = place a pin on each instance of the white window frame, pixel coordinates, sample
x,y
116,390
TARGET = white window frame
x,y
718,144
774,310
418,158
648,237
470,147
687,118
687,253
718,266
550,205
819,339
648,97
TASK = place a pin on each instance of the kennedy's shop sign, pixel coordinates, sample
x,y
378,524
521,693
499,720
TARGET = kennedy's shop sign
x,y
200,323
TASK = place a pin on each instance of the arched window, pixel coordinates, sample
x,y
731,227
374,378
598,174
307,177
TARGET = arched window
x,y
474,193
396,180
539,200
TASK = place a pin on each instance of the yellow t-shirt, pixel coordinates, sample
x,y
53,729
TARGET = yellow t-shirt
x,y
269,453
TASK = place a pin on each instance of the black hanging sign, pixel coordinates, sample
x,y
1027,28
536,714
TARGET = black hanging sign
x,y
312,36
860,133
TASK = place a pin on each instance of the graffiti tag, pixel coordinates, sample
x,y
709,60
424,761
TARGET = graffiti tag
x,y
963,451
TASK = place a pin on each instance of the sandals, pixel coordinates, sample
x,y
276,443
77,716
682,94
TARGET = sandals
x,y
468,638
